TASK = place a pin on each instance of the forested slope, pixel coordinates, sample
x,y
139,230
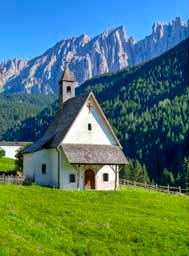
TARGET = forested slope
x,y
149,106
14,108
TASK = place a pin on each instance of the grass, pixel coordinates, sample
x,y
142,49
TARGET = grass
x,y
44,221
7,164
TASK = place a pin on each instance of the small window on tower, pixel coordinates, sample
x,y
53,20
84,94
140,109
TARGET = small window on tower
x,y
89,127
68,89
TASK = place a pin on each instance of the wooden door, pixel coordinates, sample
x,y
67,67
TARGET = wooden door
x,y
89,180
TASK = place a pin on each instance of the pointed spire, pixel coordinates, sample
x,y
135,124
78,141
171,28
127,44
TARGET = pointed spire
x,y
67,74
67,86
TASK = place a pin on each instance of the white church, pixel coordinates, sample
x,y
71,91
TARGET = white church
x,y
79,150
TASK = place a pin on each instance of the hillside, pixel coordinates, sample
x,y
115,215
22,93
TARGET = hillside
x,y
6,164
109,51
148,105
18,107
43,221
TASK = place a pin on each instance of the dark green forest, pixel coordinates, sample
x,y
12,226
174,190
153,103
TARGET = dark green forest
x,y
148,106
14,108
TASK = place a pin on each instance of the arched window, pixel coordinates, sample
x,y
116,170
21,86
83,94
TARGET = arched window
x,y
68,89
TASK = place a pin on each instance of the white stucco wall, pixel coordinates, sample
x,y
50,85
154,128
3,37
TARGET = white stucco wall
x,y
33,166
65,170
28,165
105,185
11,151
100,133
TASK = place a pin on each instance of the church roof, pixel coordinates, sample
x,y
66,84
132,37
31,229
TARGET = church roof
x,y
67,75
60,125
77,153
94,154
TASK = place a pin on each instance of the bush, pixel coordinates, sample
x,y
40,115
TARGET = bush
x,y
19,160
2,152
28,181
167,178
135,171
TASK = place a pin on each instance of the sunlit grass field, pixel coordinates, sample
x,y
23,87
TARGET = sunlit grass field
x,y
7,164
133,221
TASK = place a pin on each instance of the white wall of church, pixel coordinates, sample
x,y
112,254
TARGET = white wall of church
x,y
79,133
28,165
33,166
105,185
65,170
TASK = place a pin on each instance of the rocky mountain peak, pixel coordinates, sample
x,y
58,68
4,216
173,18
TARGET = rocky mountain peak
x,y
178,22
131,40
157,26
111,50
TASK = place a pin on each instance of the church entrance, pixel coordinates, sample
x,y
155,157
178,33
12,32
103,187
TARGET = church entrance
x,y
89,179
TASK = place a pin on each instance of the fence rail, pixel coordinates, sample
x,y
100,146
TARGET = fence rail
x,y
156,187
18,180
10,179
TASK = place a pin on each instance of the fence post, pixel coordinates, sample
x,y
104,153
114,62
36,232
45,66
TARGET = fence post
x,y
168,188
145,185
156,187
135,183
180,191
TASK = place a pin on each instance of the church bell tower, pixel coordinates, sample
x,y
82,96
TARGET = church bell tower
x,y
67,86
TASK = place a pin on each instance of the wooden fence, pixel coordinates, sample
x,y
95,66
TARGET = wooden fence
x,y
10,179
156,187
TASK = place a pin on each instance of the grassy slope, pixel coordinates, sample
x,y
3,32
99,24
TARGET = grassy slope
x,y
43,221
7,164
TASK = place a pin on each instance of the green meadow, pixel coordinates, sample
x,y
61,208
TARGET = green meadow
x,y
7,164
44,221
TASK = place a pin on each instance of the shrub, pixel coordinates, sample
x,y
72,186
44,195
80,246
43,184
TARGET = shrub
x,y
2,152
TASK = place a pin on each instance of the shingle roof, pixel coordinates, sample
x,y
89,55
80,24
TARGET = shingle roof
x,y
94,154
77,153
60,125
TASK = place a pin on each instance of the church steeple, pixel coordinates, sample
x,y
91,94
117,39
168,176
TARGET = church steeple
x,y
67,85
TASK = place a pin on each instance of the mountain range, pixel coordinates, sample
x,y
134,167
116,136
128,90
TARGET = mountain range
x,y
111,50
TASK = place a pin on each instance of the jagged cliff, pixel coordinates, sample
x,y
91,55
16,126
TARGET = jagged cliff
x,y
10,68
111,50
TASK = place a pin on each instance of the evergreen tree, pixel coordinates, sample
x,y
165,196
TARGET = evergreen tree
x,y
167,178
135,171
2,152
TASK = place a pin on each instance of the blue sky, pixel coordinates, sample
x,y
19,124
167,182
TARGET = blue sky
x,y
29,27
